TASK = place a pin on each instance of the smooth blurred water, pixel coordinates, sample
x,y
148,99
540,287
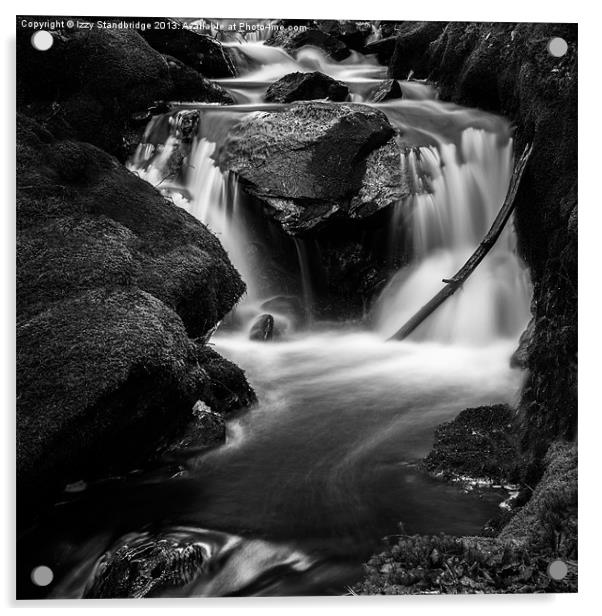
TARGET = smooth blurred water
x,y
324,466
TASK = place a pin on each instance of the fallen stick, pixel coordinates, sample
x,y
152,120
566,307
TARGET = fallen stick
x,y
454,283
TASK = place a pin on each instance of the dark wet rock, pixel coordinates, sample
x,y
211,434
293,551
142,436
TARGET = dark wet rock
x,y
520,357
305,87
226,389
89,85
291,41
411,51
200,51
315,162
76,83
263,328
188,84
383,184
146,564
353,33
288,306
383,48
387,90
114,284
390,28
205,429
477,444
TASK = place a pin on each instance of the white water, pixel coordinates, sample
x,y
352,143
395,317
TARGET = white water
x,y
469,182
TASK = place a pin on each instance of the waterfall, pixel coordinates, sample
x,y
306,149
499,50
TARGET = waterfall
x,y
468,184
459,160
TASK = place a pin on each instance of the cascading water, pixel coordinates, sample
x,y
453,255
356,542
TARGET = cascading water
x,y
323,467
468,182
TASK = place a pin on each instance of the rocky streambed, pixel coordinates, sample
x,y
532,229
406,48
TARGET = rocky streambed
x,y
119,292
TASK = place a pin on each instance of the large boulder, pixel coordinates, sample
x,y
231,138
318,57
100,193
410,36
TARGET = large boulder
x,y
90,84
291,41
305,87
317,161
117,289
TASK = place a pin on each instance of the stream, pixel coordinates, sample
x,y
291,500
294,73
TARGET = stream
x,y
324,466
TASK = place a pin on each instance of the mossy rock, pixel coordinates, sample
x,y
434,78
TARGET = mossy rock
x,y
117,289
477,444
90,83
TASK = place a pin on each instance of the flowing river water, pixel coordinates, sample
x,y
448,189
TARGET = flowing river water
x,y
313,477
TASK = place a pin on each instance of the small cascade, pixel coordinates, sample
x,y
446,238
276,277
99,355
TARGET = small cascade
x,y
468,185
306,284
183,169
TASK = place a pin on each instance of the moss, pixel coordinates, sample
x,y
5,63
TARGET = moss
x,y
72,198
113,284
479,443
91,84
548,522
419,564
515,561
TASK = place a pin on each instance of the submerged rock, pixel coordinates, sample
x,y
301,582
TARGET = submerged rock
x,y
288,307
263,328
144,565
114,284
306,86
387,90
317,161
